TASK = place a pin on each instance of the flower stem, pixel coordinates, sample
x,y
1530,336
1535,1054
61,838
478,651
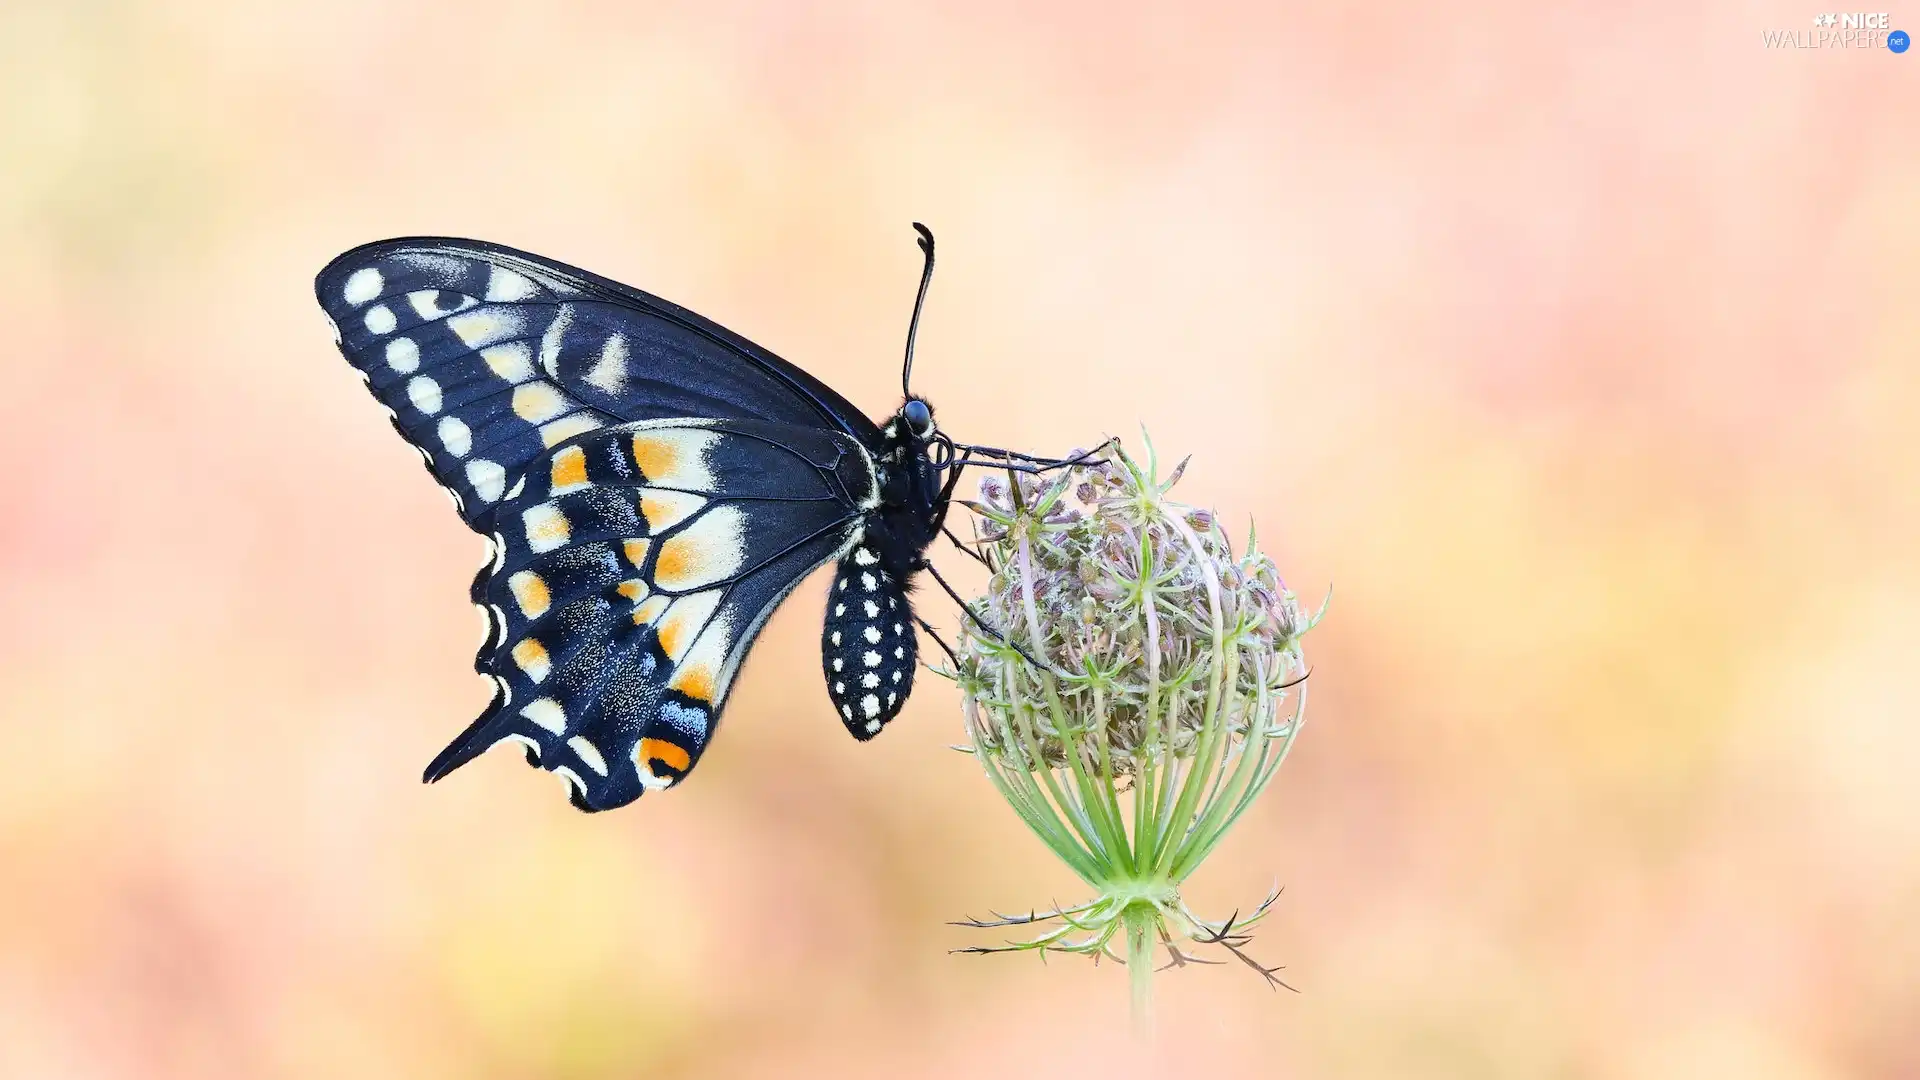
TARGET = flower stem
x,y
1141,921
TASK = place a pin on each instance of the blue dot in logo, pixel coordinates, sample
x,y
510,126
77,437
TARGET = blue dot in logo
x,y
1898,41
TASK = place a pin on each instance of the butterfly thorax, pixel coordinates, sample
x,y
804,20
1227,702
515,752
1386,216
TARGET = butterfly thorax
x,y
912,503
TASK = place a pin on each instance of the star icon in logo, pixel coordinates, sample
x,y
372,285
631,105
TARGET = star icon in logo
x,y
1817,19
1828,18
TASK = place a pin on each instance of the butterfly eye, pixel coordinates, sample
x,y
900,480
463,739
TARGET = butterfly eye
x,y
919,418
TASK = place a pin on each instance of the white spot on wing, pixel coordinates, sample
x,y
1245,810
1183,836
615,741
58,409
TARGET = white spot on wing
x,y
707,551
567,427
547,528
487,326
683,620
872,634
551,340
512,361
364,284
380,320
455,436
426,303
403,355
488,479
537,402
504,284
865,557
547,713
424,393
589,753
609,373
870,705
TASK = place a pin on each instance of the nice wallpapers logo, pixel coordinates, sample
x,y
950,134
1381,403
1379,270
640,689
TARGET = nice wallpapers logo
x,y
1845,30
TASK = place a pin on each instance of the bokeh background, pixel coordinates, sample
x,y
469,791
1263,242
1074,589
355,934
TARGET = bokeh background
x,y
1573,344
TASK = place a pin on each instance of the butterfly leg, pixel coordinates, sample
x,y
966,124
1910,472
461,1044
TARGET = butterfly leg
x,y
938,640
957,542
985,628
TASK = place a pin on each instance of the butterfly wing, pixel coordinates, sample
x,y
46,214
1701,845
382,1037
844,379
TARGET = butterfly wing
x,y
488,358
633,569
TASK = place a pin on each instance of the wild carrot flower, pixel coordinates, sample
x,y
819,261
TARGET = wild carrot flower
x,y
1130,685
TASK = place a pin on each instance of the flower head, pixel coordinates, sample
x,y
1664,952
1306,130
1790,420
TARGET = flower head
x,y
1130,684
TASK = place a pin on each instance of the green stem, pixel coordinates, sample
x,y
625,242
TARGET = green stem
x,y
1141,919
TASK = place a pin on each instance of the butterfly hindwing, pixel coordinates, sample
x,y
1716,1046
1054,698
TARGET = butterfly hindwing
x,y
633,568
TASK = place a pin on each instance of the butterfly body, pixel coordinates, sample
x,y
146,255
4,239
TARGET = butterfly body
x,y
652,487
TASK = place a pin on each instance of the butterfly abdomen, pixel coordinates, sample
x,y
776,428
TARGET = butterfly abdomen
x,y
868,648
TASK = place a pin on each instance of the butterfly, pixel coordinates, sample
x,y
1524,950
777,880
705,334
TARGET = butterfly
x,y
652,486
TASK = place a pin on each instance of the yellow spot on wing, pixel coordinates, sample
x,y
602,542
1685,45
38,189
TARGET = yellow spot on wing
x,y
512,362
547,527
650,610
680,624
675,457
536,402
532,658
665,509
637,552
633,589
567,427
703,553
530,592
655,453
569,470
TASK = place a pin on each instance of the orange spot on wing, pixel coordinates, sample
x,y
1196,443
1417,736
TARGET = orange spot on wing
x,y
649,610
695,681
569,468
637,552
634,589
669,754
677,559
530,592
654,455
532,658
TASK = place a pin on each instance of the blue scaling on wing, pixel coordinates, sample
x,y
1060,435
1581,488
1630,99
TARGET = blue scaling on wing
x,y
488,357
633,568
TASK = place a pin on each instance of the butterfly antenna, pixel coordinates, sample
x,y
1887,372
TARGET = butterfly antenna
x,y
920,301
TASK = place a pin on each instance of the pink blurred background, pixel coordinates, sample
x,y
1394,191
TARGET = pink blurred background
x,y
1573,343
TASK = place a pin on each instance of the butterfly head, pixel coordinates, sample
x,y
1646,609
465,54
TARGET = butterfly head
x,y
916,417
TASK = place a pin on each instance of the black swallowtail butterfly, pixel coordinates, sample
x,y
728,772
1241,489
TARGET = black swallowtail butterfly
x,y
653,486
